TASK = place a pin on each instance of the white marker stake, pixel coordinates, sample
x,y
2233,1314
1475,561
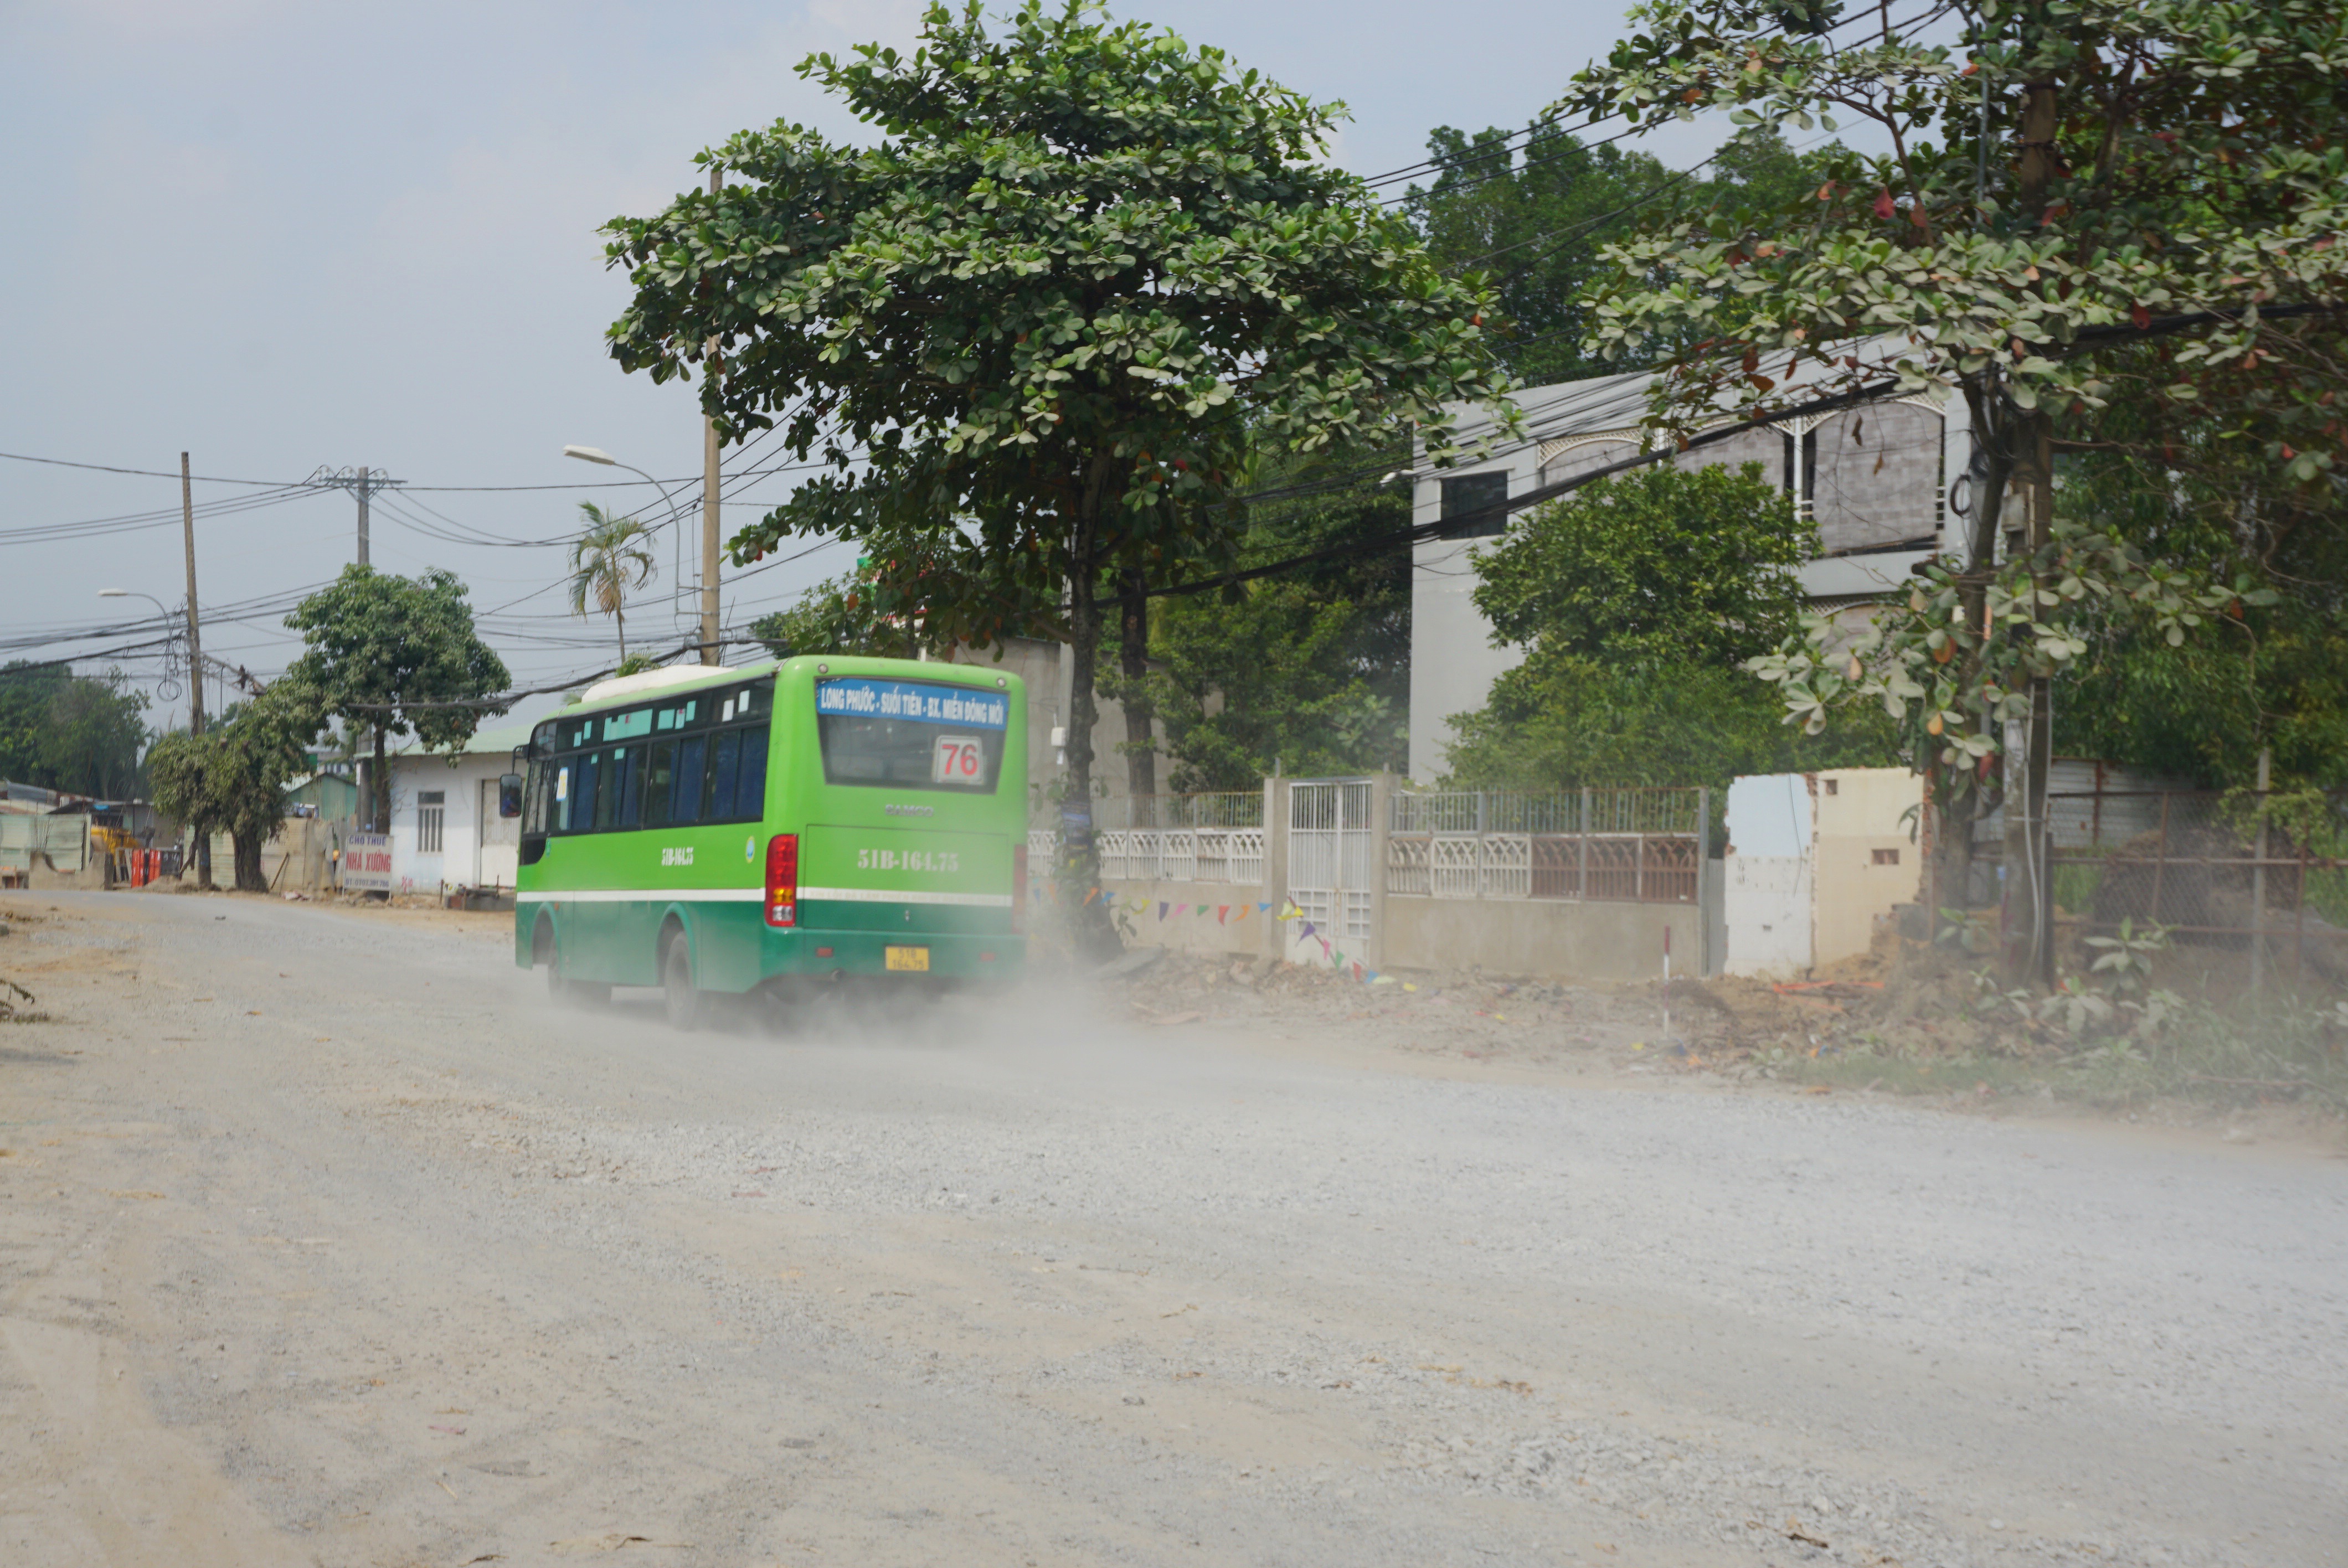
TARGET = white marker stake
x,y
1667,988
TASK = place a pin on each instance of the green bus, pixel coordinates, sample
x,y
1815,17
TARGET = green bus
x,y
770,829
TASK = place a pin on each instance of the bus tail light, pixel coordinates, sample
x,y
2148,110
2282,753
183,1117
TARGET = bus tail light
x,y
783,880
1019,890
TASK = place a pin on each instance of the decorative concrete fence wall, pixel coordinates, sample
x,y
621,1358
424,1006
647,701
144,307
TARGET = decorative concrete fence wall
x,y
1362,874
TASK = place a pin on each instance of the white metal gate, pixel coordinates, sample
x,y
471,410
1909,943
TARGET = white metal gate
x,y
1329,870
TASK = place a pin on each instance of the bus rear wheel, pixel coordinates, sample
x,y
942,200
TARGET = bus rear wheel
x,y
683,1000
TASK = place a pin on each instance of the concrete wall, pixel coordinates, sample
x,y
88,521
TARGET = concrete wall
x,y
1541,938
1816,863
1185,930
1864,860
1768,904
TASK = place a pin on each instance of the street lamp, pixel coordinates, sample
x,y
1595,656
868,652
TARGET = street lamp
x,y
126,593
172,694
597,455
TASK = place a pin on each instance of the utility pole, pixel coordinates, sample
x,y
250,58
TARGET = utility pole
x,y
195,651
709,649
361,483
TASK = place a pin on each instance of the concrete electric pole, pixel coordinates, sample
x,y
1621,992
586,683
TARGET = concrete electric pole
x,y
195,651
709,649
361,483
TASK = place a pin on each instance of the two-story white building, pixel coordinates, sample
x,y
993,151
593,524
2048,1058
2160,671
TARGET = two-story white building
x,y
1882,481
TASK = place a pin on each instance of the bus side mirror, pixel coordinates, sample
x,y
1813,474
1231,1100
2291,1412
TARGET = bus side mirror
x,y
509,794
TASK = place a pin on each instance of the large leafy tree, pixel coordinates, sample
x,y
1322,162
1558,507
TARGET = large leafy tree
x,y
1308,669
80,734
1535,211
1084,267
2083,205
231,778
393,655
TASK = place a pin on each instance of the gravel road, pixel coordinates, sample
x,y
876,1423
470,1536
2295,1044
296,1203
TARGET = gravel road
x,y
322,1240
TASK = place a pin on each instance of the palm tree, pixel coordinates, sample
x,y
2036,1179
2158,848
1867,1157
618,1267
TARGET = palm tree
x,y
609,549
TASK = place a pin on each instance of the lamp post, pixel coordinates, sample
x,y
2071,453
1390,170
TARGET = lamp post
x,y
597,455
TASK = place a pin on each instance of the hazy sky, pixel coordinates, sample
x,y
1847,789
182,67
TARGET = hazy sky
x,y
281,236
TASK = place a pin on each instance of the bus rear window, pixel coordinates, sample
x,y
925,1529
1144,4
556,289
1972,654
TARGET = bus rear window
x,y
905,734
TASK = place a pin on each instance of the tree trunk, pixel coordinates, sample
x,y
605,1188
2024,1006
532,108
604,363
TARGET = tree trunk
x,y
2030,919
1090,929
1140,737
248,862
1953,829
381,805
620,619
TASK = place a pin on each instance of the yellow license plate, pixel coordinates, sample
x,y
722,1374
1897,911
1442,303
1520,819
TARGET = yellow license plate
x,y
915,960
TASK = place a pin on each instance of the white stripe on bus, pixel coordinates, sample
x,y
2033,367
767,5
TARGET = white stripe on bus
x,y
754,895
645,896
885,895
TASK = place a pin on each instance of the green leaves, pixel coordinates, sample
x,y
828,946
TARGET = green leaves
x,y
231,778
378,648
2197,201
61,731
1658,566
1079,241
1953,682
609,552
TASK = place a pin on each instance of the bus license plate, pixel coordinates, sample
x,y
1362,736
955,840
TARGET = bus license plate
x,y
914,960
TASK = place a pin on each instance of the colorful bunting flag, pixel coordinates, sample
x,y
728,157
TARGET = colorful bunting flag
x,y
1222,914
1161,910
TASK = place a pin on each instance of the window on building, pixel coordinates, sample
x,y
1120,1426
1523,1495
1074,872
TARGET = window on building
x,y
431,807
1472,493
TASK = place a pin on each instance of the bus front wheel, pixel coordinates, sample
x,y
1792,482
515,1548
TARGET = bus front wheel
x,y
545,954
681,997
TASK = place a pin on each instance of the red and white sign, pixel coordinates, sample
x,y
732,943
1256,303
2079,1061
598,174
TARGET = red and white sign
x,y
366,863
958,760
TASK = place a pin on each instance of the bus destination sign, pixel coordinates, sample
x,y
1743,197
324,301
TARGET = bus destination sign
x,y
923,704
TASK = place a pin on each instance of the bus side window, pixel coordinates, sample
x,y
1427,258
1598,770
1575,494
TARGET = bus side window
x,y
534,800
631,791
583,771
717,802
750,788
685,789
660,768
611,787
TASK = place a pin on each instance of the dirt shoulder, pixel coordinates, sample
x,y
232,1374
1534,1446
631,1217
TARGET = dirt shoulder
x,y
1869,1035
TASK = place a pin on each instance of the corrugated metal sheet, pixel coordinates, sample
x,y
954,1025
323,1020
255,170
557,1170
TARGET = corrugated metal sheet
x,y
64,839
